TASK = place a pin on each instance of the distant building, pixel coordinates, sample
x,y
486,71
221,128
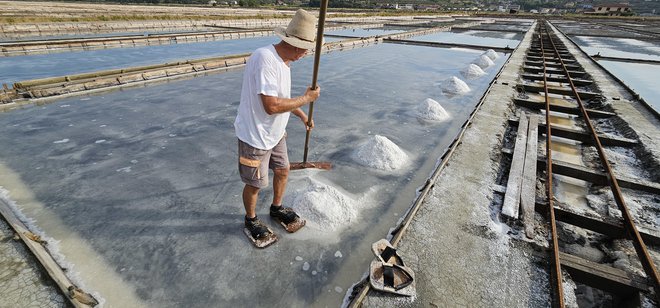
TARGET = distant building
x,y
611,9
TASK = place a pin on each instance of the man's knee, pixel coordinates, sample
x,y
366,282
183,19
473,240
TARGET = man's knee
x,y
251,189
281,172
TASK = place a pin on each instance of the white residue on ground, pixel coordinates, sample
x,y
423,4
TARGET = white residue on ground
x,y
431,110
484,62
472,71
381,153
323,206
491,54
570,300
305,266
455,85
338,254
61,141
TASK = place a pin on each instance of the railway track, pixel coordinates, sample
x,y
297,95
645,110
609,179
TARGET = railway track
x,y
555,89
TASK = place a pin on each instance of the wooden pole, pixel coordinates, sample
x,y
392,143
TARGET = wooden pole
x,y
317,60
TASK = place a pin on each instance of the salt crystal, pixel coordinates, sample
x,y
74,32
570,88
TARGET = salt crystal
x,y
429,109
299,258
380,153
455,85
305,266
323,205
491,54
484,62
100,141
61,141
338,254
473,71
314,273
338,289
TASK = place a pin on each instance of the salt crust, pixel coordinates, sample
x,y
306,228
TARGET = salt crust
x,y
429,109
491,54
323,206
472,71
455,85
484,62
380,153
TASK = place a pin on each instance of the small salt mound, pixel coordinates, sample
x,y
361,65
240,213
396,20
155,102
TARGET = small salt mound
x,y
455,85
484,62
473,71
491,54
323,205
432,110
380,153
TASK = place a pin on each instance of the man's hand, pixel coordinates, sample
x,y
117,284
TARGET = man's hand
x,y
313,94
304,118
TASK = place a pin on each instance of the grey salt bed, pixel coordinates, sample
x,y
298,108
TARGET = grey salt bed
x,y
157,203
618,47
469,38
640,77
21,68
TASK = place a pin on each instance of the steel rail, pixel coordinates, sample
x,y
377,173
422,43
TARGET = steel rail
x,y
556,264
638,242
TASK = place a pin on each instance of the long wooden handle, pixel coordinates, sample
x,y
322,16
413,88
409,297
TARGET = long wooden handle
x,y
317,60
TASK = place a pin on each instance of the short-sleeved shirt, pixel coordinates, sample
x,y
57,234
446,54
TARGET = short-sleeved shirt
x,y
265,73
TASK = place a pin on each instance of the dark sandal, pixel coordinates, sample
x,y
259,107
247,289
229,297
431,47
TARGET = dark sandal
x,y
386,253
392,278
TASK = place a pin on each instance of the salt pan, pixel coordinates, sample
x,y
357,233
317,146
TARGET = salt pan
x,y
491,54
380,153
455,85
429,109
323,205
484,62
473,71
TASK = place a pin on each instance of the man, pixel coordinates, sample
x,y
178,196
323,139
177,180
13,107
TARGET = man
x,y
260,125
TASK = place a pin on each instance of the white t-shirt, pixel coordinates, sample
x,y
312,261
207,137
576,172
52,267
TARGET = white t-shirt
x,y
265,73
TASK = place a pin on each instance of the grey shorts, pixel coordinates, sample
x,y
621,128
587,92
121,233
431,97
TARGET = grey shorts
x,y
253,163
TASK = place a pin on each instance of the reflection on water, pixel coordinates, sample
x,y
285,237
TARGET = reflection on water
x,y
640,77
619,47
467,38
20,68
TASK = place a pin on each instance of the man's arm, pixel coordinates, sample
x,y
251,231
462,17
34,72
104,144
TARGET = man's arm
x,y
273,104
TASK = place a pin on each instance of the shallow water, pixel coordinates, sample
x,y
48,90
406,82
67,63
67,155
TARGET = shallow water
x,y
643,78
19,68
104,34
470,37
619,47
146,177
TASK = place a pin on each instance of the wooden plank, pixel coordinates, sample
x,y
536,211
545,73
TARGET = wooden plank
x,y
528,188
511,205
602,276
39,251
558,131
612,229
563,109
558,90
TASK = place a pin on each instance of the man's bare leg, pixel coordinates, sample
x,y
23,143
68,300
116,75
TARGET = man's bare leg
x,y
279,185
250,195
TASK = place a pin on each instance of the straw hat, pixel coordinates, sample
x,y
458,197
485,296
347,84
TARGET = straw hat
x,y
301,30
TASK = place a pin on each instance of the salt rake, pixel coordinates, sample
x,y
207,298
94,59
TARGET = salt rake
x,y
317,58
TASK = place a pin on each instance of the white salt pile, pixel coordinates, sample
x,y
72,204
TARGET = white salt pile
x,y
473,71
484,62
491,54
380,153
429,109
455,85
323,206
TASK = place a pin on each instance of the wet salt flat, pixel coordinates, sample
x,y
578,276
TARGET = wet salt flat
x,y
643,78
366,32
619,47
14,69
494,39
152,215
